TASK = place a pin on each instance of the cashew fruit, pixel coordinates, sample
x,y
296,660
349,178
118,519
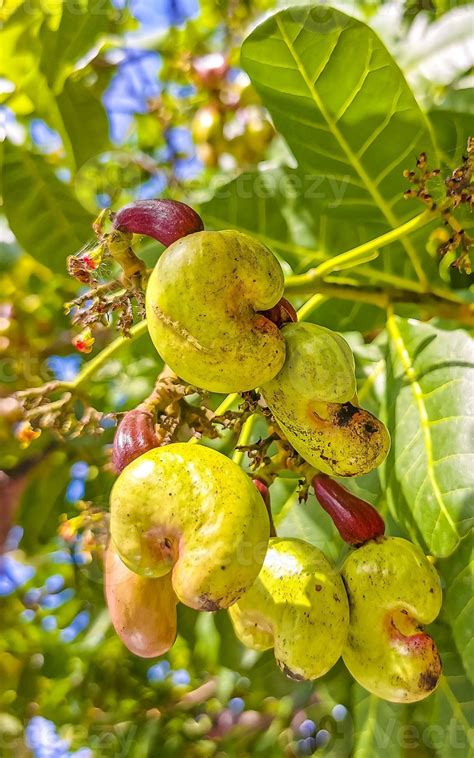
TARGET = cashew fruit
x,y
298,606
142,610
203,305
310,399
190,510
393,589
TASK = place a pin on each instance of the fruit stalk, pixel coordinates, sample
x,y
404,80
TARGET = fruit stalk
x,y
356,520
265,493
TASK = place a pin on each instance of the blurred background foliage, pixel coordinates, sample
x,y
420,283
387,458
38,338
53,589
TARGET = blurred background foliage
x,y
103,102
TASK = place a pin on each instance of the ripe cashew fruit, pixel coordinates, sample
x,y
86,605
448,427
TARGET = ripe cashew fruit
x,y
203,306
298,606
190,510
393,589
310,399
142,610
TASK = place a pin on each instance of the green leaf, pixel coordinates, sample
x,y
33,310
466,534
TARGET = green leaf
x,y
82,23
350,119
346,315
307,521
458,606
446,716
42,212
378,725
76,98
40,504
430,468
277,207
21,50
452,130
343,106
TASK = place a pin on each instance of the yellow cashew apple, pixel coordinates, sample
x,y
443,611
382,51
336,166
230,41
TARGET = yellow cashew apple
x,y
190,510
203,306
393,590
310,399
298,606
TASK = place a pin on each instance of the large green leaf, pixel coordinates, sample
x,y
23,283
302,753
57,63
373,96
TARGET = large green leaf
x,y
446,716
343,106
430,414
82,23
458,606
281,208
277,207
307,521
452,130
21,50
40,48
41,210
378,725
76,98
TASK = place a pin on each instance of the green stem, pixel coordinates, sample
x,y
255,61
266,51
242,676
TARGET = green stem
x,y
244,438
106,354
227,403
310,305
432,302
362,253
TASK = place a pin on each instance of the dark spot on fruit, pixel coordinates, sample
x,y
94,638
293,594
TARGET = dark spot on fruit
x,y
370,428
428,680
345,413
318,588
208,604
289,673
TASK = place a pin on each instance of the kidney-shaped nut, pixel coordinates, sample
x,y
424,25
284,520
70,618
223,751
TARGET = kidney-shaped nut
x,y
190,510
393,590
164,220
202,303
298,606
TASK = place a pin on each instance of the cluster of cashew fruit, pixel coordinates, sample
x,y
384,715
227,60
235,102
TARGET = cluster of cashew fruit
x,y
188,524
232,122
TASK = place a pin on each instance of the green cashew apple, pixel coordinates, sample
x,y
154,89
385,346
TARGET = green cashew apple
x,y
310,399
190,510
393,589
142,610
203,306
298,606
